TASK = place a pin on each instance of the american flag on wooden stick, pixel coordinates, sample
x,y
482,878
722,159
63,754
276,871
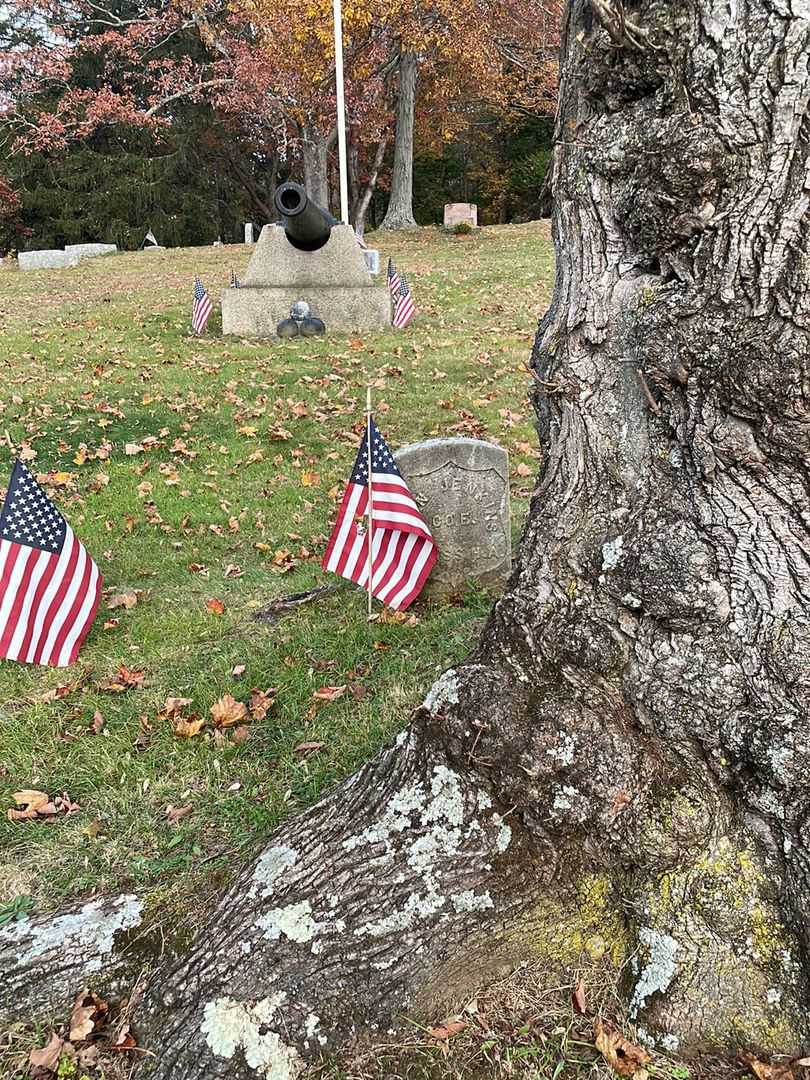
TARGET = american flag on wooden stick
x,y
202,307
235,282
404,307
49,585
402,547
393,281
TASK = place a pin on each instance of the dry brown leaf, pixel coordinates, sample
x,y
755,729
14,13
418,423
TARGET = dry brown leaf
x,y
216,607
92,830
238,670
88,1013
308,747
624,1057
173,706
175,814
448,1029
240,734
125,1040
764,1070
48,1056
578,998
310,479
228,711
57,692
64,803
97,723
124,679
524,470
30,799
125,600
188,727
260,702
329,693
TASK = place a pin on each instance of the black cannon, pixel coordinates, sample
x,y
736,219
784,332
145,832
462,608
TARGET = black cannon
x,y
307,226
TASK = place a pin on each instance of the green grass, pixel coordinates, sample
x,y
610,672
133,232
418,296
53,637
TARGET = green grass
x,y
101,356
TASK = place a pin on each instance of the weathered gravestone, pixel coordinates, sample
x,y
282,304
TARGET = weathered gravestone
x,y
248,232
456,212
462,488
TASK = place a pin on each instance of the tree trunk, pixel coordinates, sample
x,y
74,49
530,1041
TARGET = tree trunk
x,y
619,774
315,149
400,204
368,191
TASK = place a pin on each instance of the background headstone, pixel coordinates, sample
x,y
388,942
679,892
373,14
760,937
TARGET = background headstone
x,y
372,257
462,489
248,232
455,212
90,251
47,259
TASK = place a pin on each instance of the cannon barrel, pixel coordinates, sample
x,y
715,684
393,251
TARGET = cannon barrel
x,y
307,225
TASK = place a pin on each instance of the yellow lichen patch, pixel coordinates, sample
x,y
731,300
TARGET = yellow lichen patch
x,y
585,927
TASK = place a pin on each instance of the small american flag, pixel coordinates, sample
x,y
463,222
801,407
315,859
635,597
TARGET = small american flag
x,y
393,281
361,242
404,307
49,585
202,307
235,282
402,547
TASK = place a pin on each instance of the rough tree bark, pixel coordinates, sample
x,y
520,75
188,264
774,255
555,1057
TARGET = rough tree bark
x,y
399,214
315,149
621,769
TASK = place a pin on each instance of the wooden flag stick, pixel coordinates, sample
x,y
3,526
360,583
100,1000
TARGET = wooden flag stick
x,y
370,495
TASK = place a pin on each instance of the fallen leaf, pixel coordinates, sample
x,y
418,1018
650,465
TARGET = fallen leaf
x,y
216,607
57,692
48,1056
91,831
89,1012
125,1040
65,803
124,679
31,799
238,670
125,600
187,728
97,723
764,1070
578,998
625,1058
524,470
240,734
448,1029
329,693
173,706
260,702
175,814
227,711
131,449
310,479
308,747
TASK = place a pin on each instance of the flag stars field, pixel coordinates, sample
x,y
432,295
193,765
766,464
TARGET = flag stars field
x,y
121,415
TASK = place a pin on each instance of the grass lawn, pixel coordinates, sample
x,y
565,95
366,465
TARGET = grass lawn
x,y
208,469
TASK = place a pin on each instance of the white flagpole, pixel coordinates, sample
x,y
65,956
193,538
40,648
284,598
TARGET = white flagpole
x,y
341,112
370,529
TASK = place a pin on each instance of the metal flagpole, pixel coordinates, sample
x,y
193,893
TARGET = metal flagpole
x,y
341,112
370,494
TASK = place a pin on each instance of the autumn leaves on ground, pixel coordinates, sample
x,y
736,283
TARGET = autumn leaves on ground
x,y
203,476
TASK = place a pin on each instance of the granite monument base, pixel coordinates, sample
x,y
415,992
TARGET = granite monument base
x,y
252,311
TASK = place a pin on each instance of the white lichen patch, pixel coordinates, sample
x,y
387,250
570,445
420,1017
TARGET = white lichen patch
x,y
504,836
566,750
415,909
443,692
660,969
470,901
612,551
271,865
296,923
230,1025
311,1026
89,932
565,797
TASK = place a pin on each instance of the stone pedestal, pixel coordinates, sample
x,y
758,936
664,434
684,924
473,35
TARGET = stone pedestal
x,y
462,489
456,212
334,281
